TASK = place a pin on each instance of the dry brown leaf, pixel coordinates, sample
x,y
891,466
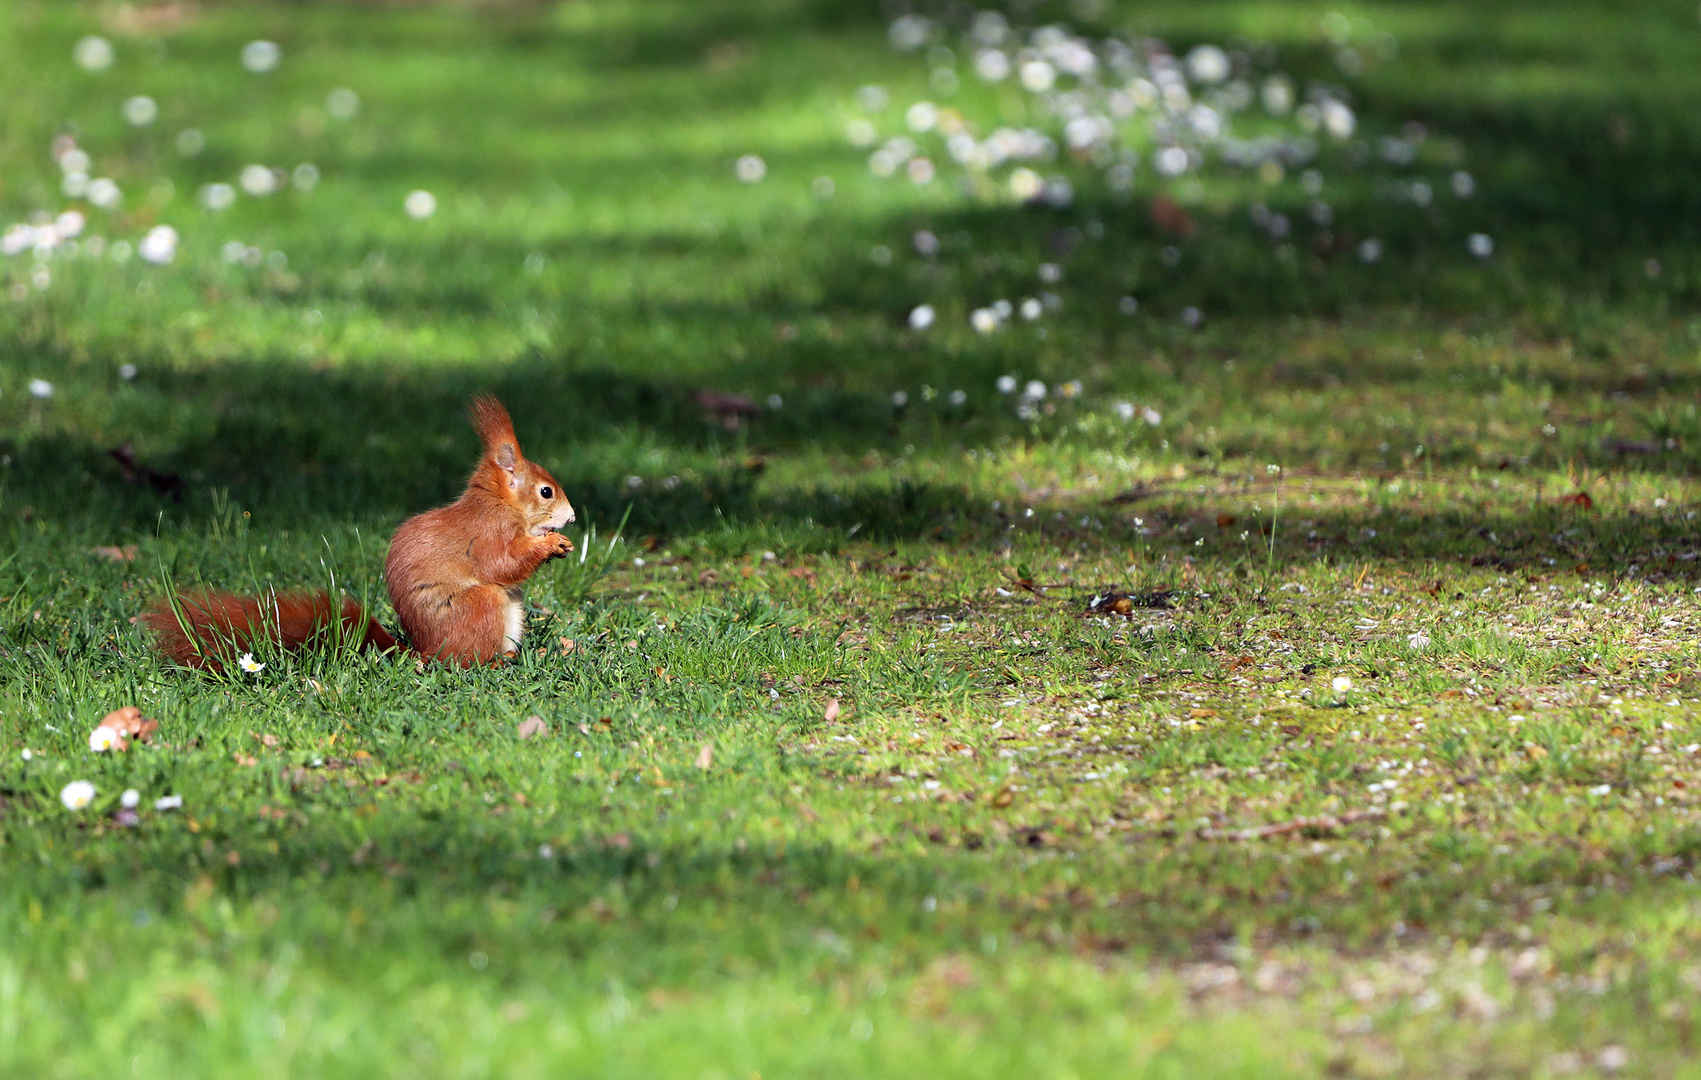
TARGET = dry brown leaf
x,y
706,756
120,719
1201,714
533,726
1169,217
129,723
729,409
1579,499
135,472
1003,797
127,553
832,710
568,645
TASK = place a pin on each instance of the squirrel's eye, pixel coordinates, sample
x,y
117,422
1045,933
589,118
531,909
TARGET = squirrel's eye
x,y
546,491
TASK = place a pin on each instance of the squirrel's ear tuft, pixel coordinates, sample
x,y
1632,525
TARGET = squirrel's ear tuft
x,y
506,455
491,422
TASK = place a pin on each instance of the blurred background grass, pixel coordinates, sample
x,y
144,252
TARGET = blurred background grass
x,y
594,259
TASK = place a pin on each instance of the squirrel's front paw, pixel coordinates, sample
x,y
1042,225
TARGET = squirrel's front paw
x,y
558,545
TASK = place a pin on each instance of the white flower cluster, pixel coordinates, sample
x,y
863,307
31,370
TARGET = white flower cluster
x,y
80,795
1102,100
47,235
1134,113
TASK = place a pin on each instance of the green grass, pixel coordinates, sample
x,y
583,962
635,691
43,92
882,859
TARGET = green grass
x,y
1034,837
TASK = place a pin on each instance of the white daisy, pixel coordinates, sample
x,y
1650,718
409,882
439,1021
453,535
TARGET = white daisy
x,y
420,205
261,56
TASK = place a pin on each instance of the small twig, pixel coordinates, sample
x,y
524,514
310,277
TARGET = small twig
x,y
1030,585
1323,823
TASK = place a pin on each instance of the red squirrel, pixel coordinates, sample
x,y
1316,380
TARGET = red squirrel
x,y
454,574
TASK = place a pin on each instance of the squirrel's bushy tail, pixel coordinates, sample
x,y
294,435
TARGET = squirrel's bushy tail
x,y
207,630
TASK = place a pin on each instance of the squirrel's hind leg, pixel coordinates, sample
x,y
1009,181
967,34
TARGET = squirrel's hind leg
x,y
485,626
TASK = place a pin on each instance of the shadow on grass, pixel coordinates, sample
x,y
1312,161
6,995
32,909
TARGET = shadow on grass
x,y
306,464
1170,896
369,446
1579,186
1581,189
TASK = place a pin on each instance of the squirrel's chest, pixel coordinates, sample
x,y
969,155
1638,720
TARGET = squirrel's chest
x,y
513,621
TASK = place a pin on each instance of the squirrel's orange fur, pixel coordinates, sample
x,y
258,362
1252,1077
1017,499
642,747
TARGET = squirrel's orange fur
x,y
216,626
454,573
